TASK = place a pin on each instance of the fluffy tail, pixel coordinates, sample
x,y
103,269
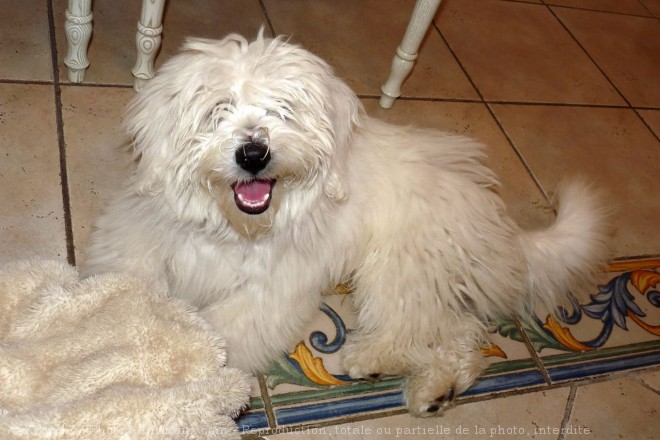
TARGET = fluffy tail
x,y
566,256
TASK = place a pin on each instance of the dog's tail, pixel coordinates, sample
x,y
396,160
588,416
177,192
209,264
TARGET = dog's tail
x,y
565,256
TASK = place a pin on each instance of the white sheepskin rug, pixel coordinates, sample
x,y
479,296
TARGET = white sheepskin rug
x,y
108,357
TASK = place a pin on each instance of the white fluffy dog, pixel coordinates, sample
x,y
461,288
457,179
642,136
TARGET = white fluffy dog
x,y
261,183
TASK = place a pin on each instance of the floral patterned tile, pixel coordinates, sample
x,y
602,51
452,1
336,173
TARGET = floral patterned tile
x,y
309,384
615,329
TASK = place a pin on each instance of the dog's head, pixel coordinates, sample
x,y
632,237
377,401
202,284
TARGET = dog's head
x,y
243,130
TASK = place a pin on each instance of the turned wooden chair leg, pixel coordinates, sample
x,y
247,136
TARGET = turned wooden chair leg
x,y
406,53
148,40
78,31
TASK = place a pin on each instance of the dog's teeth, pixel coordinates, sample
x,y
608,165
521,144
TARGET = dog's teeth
x,y
253,204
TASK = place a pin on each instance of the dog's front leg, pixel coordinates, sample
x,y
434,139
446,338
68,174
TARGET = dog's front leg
x,y
404,328
260,327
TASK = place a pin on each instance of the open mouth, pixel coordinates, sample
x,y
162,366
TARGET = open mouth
x,y
253,197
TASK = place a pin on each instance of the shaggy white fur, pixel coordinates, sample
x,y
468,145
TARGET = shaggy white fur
x,y
261,183
108,357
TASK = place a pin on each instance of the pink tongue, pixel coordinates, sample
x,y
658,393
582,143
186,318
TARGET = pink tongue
x,y
253,191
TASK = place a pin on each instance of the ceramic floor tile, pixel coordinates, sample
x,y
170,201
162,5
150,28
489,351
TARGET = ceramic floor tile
x,y
98,159
513,51
652,5
650,378
31,213
626,48
632,7
112,48
25,42
519,52
652,118
517,417
609,146
359,40
524,201
619,408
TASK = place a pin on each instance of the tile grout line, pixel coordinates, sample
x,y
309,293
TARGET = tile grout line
x,y
64,179
369,96
642,382
518,103
268,406
532,351
570,403
535,179
625,14
492,113
51,83
269,23
587,54
600,69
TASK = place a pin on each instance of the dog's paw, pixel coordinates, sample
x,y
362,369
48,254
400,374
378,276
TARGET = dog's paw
x,y
430,393
370,362
440,403
362,368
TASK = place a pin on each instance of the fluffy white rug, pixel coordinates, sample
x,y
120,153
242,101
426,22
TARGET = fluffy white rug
x,y
108,357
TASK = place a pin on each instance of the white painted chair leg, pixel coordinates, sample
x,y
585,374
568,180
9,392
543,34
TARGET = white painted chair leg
x,y
406,53
78,31
147,40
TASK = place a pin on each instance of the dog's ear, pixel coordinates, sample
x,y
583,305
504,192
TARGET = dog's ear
x,y
347,112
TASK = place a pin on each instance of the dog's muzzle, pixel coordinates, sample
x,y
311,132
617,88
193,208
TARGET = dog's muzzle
x,y
253,196
253,157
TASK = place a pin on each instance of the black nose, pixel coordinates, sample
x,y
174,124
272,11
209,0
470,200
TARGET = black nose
x,y
253,157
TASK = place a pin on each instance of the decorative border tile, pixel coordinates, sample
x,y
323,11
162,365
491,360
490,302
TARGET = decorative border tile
x,y
575,366
302,391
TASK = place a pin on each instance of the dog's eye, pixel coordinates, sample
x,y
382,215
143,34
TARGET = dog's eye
x,y
220,111
283,115
283,111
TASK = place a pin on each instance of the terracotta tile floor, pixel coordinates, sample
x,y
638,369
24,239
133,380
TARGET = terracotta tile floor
x,y
554,87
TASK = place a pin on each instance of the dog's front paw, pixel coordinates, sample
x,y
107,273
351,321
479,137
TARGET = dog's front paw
x,y
371,361
430,393
362,367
